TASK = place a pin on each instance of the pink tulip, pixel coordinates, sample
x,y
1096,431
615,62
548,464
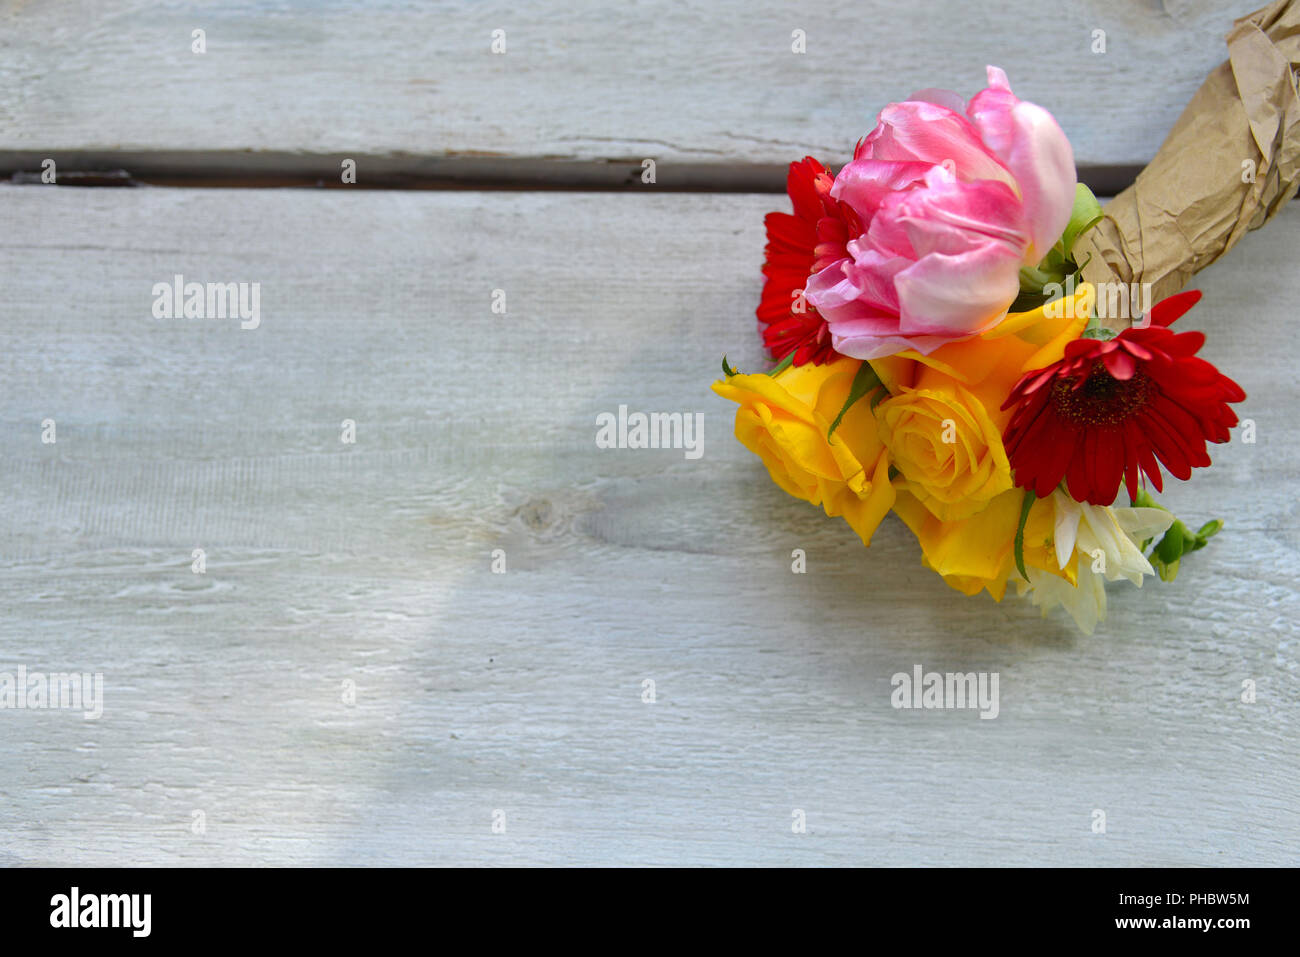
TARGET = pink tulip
x,y
953,203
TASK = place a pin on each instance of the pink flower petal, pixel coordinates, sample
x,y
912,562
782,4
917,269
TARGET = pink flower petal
x,y
950,217
863,184
958,295
1030,143
929,133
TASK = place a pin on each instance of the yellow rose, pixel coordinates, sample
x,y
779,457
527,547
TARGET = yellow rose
x,y
783,419
946,447
978,552
943,422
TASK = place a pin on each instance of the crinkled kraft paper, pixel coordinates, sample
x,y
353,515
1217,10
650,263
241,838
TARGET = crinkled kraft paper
x,y
1228,165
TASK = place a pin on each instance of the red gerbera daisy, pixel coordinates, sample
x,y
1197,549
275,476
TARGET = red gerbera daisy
x,y
1110,407
797,246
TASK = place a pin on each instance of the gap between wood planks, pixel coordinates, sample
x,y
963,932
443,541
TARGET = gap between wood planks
x,y
248,169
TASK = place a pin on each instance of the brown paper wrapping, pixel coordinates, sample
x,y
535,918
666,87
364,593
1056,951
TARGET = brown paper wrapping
x,y
1228,165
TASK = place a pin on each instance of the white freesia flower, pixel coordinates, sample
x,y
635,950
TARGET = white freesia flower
x,y
1086,603
1108,542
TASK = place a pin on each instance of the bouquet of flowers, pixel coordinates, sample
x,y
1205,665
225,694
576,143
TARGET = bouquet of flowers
x,y
940,354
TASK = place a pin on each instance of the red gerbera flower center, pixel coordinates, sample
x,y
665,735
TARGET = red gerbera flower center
x,y
1102,399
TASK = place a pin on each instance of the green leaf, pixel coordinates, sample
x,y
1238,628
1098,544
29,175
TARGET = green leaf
x,y
1098,332
1086,214
1203,536
1170,548
1034,278
1030,495
783,364
1177,541
863,382
1169,551
1028,300
1210,529
1054,262
727,370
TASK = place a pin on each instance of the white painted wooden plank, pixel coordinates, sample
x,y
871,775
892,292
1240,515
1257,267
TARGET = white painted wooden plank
x,y
522,692
693,82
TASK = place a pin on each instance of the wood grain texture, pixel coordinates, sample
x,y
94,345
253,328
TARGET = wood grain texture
x,y
681,82
522,691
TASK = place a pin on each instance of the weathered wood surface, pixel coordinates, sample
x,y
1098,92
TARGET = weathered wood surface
x,y
682,82
522,691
